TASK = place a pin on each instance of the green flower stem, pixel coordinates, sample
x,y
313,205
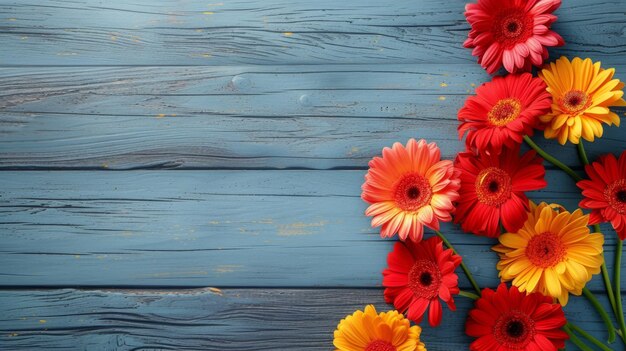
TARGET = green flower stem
x,y
551,159
613,296
574,339
469,275
587,336
581,153
618,293
605,316
469,295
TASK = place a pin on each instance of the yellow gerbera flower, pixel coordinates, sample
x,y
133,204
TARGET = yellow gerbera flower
x,y
582,93
368,331
553,253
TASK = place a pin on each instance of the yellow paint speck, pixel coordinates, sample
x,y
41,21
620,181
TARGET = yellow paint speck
x,y
472,85
443,85
13,335
199,30
206,55
160,115
216,291
76,256
441,98
12,19
208,13
105,165
113,37
287,34
42,321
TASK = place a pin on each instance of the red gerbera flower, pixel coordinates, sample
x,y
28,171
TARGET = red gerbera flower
x,y
492,190
508,320
420,274
515,33
605,192
503,111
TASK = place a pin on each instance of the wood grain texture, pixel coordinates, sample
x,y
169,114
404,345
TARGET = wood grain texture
x,y
204,319
315,117
208,228
173,32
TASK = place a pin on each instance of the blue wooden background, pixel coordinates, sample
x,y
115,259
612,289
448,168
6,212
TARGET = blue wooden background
x,y
185,175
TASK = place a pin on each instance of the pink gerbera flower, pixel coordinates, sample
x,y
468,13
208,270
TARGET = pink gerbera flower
x,y
513,33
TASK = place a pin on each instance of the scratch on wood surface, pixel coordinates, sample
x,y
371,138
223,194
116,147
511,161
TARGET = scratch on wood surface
x,y
176,274
299,228
227,268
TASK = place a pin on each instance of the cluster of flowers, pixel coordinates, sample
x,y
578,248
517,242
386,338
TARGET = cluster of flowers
x,y
545,251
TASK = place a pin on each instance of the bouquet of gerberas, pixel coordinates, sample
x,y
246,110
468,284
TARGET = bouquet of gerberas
x,y
546,252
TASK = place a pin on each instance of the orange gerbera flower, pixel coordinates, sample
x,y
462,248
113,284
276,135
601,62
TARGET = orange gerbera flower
x,y
582,93
369,331
410,187
553,253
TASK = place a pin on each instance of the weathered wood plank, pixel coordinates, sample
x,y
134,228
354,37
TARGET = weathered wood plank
x,y
90,32
207,228
317,117
233,319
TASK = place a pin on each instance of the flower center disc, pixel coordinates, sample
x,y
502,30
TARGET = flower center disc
x,y
380,345
615,195
512,26
504,112
514,330
545,250
412,192
493,186
574,102
425,279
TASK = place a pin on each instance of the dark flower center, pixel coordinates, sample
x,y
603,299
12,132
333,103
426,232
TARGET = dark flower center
x,y
545,250
512,26
574,102
615,195
493,186
515,329
426,278
504,112
413,192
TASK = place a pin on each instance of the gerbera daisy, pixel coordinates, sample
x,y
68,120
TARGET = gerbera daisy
x,y
410,187
582,93
515,33
503,111
509,320
368,331
553,253
605,192
492,189
420,274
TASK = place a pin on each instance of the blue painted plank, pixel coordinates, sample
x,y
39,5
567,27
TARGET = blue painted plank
x,y
232,319
208,228
171,32
316,117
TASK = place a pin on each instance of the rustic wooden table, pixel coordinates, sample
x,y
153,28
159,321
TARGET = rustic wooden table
x,y
185,175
